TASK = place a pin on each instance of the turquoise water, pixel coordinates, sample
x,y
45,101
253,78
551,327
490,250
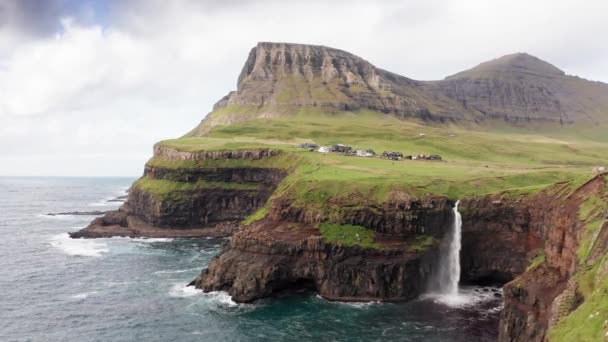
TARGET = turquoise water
x,y
57,289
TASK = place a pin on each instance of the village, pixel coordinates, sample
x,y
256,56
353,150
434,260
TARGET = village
x,y
350,151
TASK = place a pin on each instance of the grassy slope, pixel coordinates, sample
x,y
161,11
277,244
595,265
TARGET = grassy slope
x,y
476,161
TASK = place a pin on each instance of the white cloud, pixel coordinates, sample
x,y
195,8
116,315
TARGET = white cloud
x,y
104,93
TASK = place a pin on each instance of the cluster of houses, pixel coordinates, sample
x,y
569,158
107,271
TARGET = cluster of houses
x,y
349,151
399,156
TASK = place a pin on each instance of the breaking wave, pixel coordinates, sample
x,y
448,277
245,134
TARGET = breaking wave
x,y
78,247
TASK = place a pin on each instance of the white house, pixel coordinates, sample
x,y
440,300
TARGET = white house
x,y
364,153
324,149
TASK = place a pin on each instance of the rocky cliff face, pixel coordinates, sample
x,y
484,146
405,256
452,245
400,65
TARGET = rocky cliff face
x,y
271,256
197,198
287,248
536,298
279,78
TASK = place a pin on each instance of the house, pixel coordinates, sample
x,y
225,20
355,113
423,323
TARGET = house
x,y
392,155
340,148
365,153
308,146
434,157
422,135
324,149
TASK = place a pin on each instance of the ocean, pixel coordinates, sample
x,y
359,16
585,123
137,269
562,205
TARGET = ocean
x,y
54,288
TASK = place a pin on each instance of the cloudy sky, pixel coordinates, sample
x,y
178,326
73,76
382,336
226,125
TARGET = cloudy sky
x,y
87,87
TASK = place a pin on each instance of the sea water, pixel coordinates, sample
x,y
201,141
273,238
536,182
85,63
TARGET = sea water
x,y
54,288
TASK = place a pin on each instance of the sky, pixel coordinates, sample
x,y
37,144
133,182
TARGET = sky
x,y
87,87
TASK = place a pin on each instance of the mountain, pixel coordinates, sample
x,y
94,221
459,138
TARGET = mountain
x,y
281,78
521,86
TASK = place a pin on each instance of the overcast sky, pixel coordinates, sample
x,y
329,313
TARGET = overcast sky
x,y
87,87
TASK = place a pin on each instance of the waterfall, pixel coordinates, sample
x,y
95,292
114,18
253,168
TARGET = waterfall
x,y
450,262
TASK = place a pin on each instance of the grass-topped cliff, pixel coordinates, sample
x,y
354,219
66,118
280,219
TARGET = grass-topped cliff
x,y
475,162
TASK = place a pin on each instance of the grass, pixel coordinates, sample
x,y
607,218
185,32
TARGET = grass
x,y
256,216
348,235
164,188
477,161
537,260
421,243
589,321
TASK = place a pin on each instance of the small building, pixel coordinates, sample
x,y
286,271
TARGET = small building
x,y
422,135
324,149
308,146
365,153
434,157
600,169
340,148
392,155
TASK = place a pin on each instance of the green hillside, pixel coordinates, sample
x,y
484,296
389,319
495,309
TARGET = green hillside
x,y
475,161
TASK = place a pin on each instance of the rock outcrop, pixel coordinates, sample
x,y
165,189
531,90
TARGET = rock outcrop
x,y
199,198
272,256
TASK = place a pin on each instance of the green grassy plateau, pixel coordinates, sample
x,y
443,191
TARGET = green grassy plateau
x,y
477,159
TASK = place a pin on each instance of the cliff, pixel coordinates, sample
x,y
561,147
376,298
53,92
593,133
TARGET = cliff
x,y
191,194
280,79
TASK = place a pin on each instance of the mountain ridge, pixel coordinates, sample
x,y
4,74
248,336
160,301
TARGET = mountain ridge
x,y
278,79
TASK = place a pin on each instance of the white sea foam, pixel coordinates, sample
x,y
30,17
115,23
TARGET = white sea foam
x,y
78,247
177,271
140,239
83,295
466,297
218,297
182,291
63,217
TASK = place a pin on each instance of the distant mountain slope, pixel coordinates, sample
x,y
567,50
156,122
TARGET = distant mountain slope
x,y
279,79
522,87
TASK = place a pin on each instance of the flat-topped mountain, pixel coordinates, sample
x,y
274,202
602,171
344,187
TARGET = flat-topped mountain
x,y
281,78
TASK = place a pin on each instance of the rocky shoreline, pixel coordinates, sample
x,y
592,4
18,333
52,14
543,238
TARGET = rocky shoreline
x,y
122,224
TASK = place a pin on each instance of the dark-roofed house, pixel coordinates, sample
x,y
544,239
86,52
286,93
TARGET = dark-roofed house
x,y
340,148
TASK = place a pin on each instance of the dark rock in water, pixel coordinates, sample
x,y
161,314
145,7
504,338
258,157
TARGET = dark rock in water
x,y
125,224
119,199
497,295
82,213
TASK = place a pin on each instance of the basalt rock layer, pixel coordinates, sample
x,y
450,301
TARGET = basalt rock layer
x,y
272,256
197,199
287,248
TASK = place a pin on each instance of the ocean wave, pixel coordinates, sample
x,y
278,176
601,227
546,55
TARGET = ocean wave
x,y
139,239
83,295
177,271
222,298
78,247
64,217
182,291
